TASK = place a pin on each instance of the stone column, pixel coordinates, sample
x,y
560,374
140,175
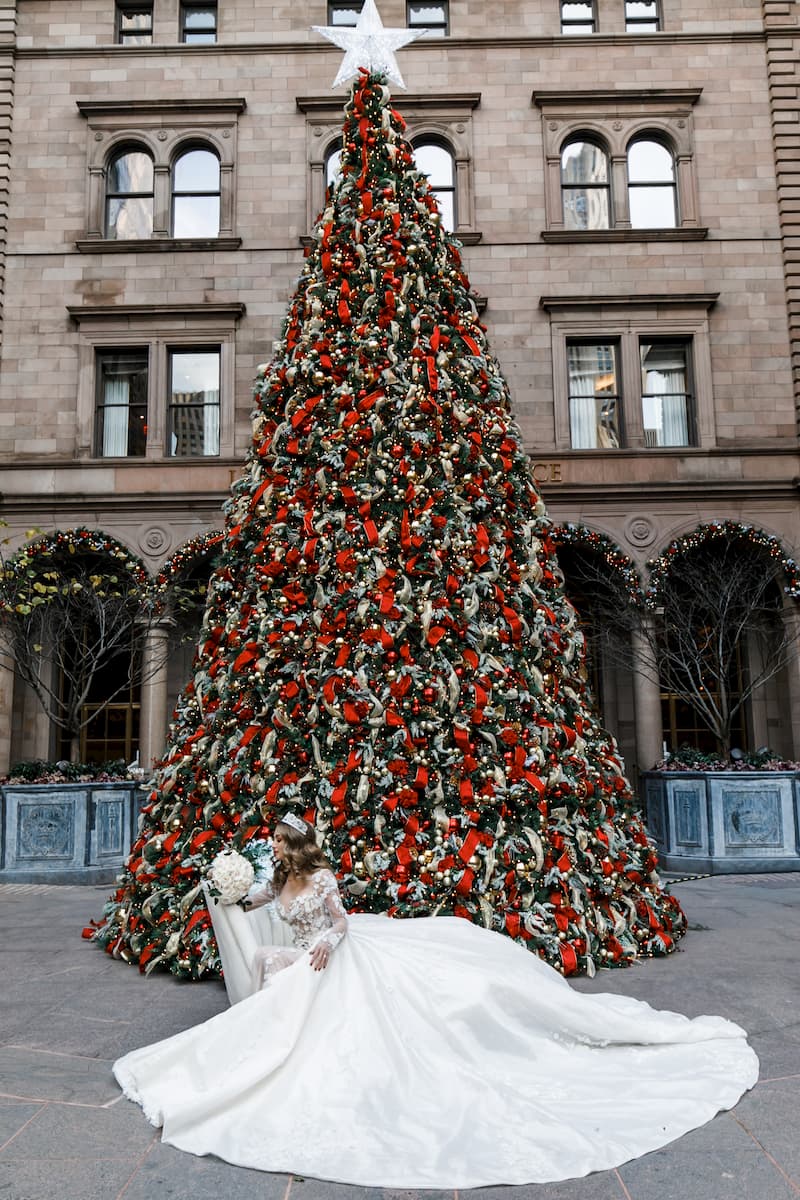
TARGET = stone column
x,y
791,617
6,707
153,714
647,696
620,216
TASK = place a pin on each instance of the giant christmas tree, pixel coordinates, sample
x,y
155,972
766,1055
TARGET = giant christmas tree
x,y
387,647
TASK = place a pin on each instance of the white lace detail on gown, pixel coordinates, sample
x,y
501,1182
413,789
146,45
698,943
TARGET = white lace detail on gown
x,y
316,915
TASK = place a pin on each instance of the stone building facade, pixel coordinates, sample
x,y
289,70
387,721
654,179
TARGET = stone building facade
x,y
624,178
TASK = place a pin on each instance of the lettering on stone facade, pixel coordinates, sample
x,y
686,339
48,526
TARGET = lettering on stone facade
x,y
548,472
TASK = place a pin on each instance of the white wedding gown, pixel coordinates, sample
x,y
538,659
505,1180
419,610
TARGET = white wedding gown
x,y
430,1053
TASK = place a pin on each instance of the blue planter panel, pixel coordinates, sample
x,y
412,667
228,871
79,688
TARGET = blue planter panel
x,y
67,832
725,822
754,817
45,832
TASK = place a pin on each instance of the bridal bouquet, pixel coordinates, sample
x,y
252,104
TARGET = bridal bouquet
x,y
231,876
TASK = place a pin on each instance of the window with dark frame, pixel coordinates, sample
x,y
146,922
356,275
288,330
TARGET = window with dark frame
x,y
129,195
340,12
596,385
681,724
121,411
652,191
193,407
436,161
134,23
642,16
333,165
585,186
667,401
196,194
578,16
594,395
110,730
198,24
432,17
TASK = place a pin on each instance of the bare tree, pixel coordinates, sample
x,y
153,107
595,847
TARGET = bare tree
x,y
70,617
710,630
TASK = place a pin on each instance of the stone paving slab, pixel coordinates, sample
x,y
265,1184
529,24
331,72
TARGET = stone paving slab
x,y
14,1116
67,1010
720,1161
606,1186
66,1131
27,1074
320,1189
75,1179
166,1173
778,1053
762,1112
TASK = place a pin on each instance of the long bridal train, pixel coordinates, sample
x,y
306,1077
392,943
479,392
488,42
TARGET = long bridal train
x,y
429,1053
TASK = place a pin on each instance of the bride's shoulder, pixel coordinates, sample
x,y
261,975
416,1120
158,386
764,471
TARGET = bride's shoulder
x,y
325,880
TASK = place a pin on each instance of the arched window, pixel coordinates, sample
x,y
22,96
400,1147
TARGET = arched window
x,y
651,186
195,194
436,161
585,186
333,165
129,195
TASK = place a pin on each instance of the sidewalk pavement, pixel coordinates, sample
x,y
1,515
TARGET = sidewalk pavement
x,y
68,1011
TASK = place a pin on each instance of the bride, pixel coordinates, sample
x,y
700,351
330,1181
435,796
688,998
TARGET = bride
x,y
426,1053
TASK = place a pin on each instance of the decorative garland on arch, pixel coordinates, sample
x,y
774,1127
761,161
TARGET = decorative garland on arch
x,y
572,534
711,531
35,576
195,550
79,541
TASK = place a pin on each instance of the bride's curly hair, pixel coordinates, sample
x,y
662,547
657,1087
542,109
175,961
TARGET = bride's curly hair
x,y
303,855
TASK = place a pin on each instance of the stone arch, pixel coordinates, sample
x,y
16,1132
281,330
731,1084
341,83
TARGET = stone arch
x,y
620,564
717,595
78,602
81,540
711,531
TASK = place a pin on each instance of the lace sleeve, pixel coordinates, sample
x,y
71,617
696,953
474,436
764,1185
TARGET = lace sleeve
x,y
328,889
257,899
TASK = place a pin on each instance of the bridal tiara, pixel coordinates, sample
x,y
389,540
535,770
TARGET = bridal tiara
x,y
294,822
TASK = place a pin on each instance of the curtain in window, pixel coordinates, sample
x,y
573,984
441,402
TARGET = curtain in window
x,y
211,423
583,412
665,409
116,416
594,415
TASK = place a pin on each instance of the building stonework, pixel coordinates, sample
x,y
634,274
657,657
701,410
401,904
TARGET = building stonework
x,y
506,90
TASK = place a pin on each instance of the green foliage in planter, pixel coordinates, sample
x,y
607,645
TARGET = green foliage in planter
x,y
39,771
687,758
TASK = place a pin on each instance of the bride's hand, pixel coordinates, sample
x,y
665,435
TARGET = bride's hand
x,y
319,956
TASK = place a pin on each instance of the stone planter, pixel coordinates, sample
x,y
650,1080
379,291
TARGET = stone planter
x,y
721,822
67,832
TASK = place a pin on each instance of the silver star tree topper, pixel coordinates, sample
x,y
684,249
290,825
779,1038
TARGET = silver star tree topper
x,y
368,45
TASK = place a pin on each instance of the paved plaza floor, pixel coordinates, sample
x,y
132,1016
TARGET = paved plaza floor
x,y
67,1011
